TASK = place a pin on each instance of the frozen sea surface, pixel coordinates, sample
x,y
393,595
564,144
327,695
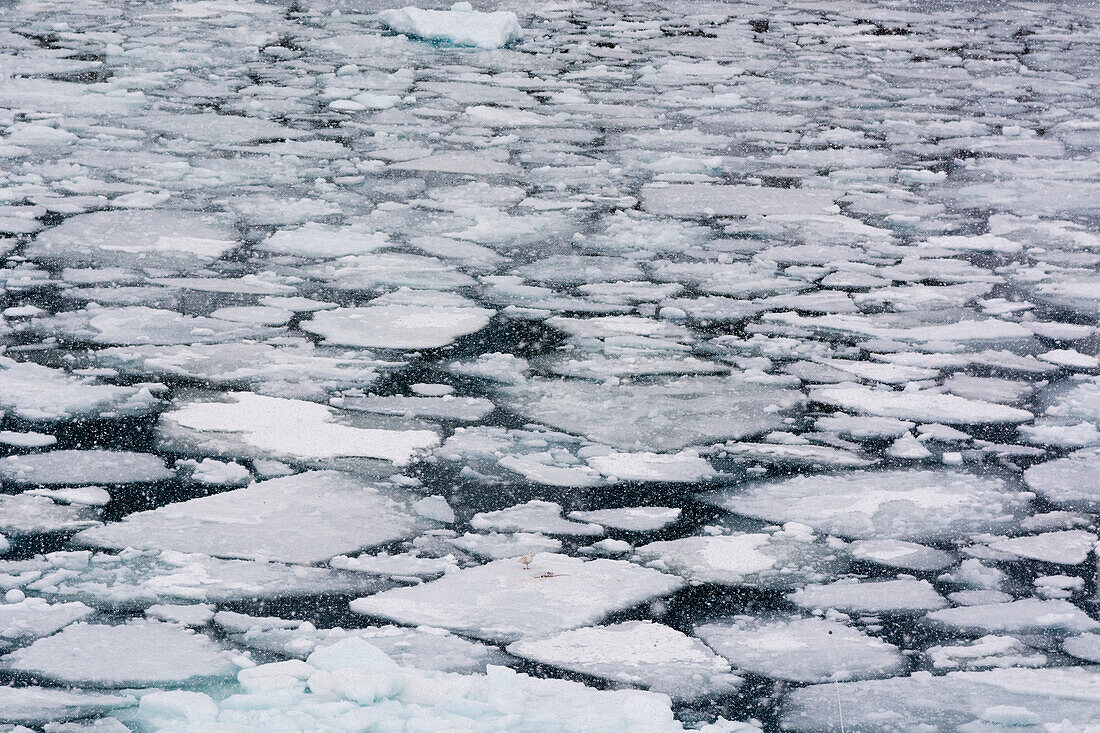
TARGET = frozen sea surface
x,y
529,366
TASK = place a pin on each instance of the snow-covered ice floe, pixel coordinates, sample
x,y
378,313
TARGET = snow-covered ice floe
x,y
461,25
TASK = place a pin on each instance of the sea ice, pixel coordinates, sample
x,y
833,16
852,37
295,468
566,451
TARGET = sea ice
x,y
61,467
461,25
660,416
506,600
639,653
127,655
899,504
291,519
305,431
904,595
801,649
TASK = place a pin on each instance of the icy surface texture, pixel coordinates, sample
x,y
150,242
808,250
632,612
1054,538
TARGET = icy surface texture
x,y
549,366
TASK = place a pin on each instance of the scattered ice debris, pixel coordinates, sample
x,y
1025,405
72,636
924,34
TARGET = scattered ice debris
x,y
801,649
461,25
638,653
284,519
507,600
127,655
901,596
900,504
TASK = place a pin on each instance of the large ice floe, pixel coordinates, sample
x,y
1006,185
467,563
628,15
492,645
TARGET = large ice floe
x,y
901,504
510,599
549,366
283,519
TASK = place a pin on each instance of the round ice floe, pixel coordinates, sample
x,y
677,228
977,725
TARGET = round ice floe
x,y
913,505
132,654
801,649
640,653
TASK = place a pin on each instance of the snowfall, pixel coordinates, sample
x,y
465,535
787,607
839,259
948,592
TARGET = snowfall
x,y
560,366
